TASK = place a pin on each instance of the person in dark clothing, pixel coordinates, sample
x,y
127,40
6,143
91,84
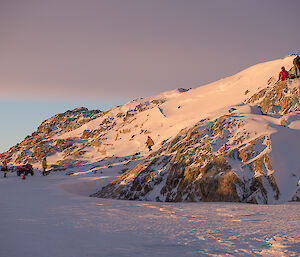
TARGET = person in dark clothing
x,y
149,143
283,75
296,63
4,168
44,166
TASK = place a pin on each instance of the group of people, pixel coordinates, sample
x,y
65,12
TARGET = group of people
x,y
149,143
283,75
44,168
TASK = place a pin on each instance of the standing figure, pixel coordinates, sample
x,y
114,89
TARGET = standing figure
x,y
283,75
4,168
149,143
296,63
44,166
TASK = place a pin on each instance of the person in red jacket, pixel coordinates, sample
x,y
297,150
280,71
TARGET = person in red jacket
x,y
283,75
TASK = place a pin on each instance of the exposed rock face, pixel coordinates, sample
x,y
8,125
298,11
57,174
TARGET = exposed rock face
x,y
68,121
195,166
279,99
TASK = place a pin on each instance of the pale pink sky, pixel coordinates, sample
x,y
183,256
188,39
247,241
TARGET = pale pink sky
x,y
114,49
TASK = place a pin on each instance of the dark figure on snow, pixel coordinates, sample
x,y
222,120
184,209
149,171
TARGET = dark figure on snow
x,y
283,75
296,63
44,166
149,143
4,168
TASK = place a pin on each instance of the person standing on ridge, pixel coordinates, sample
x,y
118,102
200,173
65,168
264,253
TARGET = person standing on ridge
x,y
296,63
44,166
4,168
283,75
149,143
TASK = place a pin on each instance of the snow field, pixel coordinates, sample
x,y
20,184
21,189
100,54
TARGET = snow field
x,y
54,217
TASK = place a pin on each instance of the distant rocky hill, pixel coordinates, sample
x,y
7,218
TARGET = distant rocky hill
x,y
44,141
237,139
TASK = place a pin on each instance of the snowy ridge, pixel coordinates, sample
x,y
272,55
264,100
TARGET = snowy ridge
x,y
236,139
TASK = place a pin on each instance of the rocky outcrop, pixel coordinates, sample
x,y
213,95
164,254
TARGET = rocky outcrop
x,y
196,166
279,98
296,196
68,121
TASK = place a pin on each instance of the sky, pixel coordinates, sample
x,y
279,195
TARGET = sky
x,y
57,55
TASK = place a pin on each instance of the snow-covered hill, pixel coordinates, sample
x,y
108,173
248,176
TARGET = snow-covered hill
x,y
236,139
